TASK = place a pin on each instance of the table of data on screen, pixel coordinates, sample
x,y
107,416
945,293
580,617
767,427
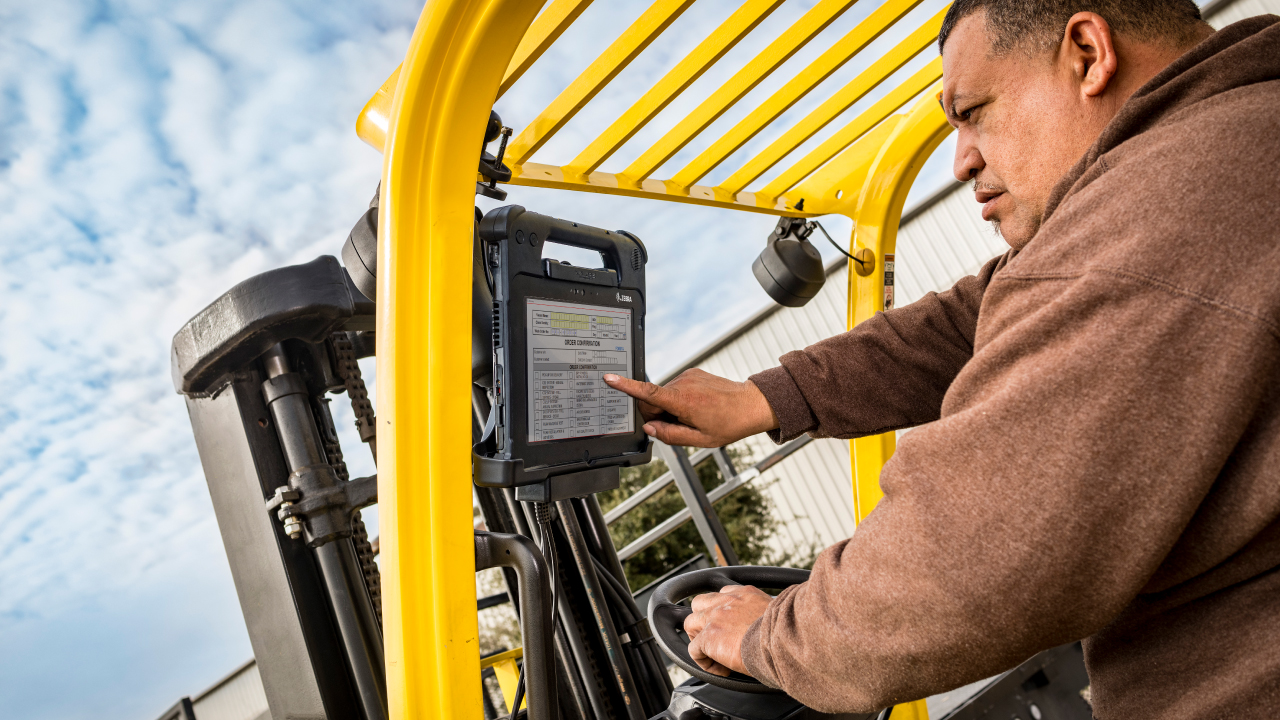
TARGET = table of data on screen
x,y
570,347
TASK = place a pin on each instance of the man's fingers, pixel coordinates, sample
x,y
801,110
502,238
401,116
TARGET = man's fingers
x,y
706,601
694,624
680,435
705,661
653,412
643,391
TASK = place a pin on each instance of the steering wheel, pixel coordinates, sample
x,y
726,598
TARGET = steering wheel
x,y
667,618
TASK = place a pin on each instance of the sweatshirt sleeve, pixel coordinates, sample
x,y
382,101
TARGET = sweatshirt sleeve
x,y
1074,449
889,372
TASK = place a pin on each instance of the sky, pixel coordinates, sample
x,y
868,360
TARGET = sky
x,y
153,153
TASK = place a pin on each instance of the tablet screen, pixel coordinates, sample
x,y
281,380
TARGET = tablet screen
x,y
570,347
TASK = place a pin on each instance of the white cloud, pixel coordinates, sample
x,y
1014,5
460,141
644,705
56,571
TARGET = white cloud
x,y
153,154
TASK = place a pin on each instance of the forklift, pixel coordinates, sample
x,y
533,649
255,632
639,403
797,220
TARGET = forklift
x,y
490,353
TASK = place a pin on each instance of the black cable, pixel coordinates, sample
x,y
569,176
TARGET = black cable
x,y
542,516
549,554
515,706
627,602
836,245
648,654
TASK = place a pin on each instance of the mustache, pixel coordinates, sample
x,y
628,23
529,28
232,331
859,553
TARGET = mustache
x,y
979,185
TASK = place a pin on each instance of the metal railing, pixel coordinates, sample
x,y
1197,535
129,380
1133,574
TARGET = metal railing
x,y
703,514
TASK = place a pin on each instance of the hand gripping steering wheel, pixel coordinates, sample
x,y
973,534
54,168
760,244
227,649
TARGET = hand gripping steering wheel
x,y
667,618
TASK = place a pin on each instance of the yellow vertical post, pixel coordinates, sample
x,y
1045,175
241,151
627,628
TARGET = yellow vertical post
x,y
875,226
436,123
507,672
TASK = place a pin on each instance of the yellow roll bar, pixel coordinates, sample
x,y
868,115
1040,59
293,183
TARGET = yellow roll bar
x,y
428,119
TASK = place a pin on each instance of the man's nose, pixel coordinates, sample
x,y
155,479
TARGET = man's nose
x,y
968,161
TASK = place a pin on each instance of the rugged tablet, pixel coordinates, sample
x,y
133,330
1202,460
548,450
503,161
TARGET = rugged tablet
x,y
558,329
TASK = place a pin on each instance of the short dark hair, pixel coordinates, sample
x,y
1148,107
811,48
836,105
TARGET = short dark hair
x,y
1040,24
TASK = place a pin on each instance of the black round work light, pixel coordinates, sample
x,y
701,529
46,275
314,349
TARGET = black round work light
x,y
790,268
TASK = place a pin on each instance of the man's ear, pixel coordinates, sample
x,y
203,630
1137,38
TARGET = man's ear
x,y
1087,46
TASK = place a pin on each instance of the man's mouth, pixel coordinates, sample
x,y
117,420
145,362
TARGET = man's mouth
x,y
988,198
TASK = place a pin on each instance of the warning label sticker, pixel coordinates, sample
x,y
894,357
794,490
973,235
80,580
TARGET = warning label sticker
x,y
888,282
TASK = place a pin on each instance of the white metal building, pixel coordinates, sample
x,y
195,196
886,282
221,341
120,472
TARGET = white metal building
x,y
238,696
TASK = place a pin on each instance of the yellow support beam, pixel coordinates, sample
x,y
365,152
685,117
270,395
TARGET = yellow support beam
x,y
555,178
690,68
508,674
834,188
842,100
856,128
742,82
548,28
876,217
820,69
435,126
371,125
510,655
651,23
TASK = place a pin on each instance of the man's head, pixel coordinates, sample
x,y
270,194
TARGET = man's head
x,y
1030,84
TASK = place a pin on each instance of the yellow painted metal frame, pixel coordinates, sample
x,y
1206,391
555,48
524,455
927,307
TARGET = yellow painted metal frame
x,y
508,673
428,119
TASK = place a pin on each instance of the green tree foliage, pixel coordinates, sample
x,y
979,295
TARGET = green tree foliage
x,y
747,515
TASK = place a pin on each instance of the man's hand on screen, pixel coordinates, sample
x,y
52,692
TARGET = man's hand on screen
x,y
699,409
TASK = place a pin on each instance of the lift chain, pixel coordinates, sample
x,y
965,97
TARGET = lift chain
x,y
367,426
359,533
349,371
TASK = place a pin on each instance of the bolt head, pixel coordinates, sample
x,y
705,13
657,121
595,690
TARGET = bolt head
x,y
286,493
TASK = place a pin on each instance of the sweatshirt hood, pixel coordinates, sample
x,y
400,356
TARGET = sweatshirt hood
x,y
1239,55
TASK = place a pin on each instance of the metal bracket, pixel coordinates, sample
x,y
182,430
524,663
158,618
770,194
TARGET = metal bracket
x,y
316,504
491,168
536,629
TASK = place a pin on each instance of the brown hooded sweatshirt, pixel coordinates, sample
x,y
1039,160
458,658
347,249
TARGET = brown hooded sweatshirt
x,y
1102,453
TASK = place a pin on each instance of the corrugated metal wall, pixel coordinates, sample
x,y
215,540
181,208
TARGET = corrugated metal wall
x,y
239,696
938,244
1223,14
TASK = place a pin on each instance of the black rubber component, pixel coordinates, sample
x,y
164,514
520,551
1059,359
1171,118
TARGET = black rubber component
x,y
666,617
304,302
494,128
360,253
481,313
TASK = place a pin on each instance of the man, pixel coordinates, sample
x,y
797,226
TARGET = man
x,y
1099,455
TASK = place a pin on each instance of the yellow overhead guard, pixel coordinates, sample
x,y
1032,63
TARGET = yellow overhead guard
x,y
428,119
779,196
